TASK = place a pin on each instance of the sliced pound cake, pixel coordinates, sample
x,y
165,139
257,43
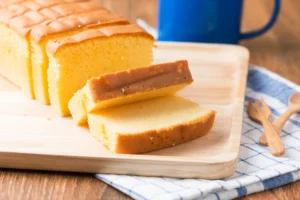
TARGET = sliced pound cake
x,y
17,19
74,60
26,26
129,86
150,125
65,19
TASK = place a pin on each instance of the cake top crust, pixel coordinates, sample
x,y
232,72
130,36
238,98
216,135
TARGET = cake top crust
x,y
139,79
130,29
5,3
41,18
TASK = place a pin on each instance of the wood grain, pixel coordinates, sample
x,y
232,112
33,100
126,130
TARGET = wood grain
x,y
15,184
278,50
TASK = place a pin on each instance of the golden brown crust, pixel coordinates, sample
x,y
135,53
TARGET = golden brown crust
x,y
157,139
54,16
141,79
130,29
97,18
6,3
16,9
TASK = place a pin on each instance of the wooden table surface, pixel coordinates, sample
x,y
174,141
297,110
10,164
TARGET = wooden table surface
x,y
278,50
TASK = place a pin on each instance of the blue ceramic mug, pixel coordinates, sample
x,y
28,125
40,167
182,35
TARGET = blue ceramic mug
x,y
211,21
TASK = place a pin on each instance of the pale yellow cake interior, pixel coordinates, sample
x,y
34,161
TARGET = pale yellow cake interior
x,y
72,65
15,59
8,54
161,113
40,62
82,102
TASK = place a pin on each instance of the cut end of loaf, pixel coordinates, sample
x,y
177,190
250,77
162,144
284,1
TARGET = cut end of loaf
x,y
73,65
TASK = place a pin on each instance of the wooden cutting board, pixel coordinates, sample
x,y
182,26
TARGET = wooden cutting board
x,y
33,137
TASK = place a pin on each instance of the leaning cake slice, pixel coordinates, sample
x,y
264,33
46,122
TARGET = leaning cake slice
x,y
150,125
129,86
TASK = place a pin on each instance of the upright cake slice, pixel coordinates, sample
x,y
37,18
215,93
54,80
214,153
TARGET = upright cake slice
x,y
150,125
78,58
65,19
129,86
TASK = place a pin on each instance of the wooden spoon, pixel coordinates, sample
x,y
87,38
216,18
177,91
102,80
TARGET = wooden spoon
x,y
275,143
253,113
293,107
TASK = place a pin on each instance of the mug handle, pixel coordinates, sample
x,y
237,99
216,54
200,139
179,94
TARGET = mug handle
x,y
271,22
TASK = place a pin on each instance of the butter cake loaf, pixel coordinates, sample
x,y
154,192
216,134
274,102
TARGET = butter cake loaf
x,y
65,19
150,125
110,90
74,60
26,26
17,18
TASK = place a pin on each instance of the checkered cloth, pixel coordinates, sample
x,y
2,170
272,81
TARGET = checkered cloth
x,y
257,169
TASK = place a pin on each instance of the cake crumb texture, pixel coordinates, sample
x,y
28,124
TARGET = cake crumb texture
x,y
74,63
150,125
26,27
124,87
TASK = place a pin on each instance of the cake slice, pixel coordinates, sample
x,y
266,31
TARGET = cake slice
x,y
129,86
65,19
74,60
150,125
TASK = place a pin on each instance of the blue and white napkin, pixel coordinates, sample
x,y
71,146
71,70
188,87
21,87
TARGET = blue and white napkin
x,y
257,169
